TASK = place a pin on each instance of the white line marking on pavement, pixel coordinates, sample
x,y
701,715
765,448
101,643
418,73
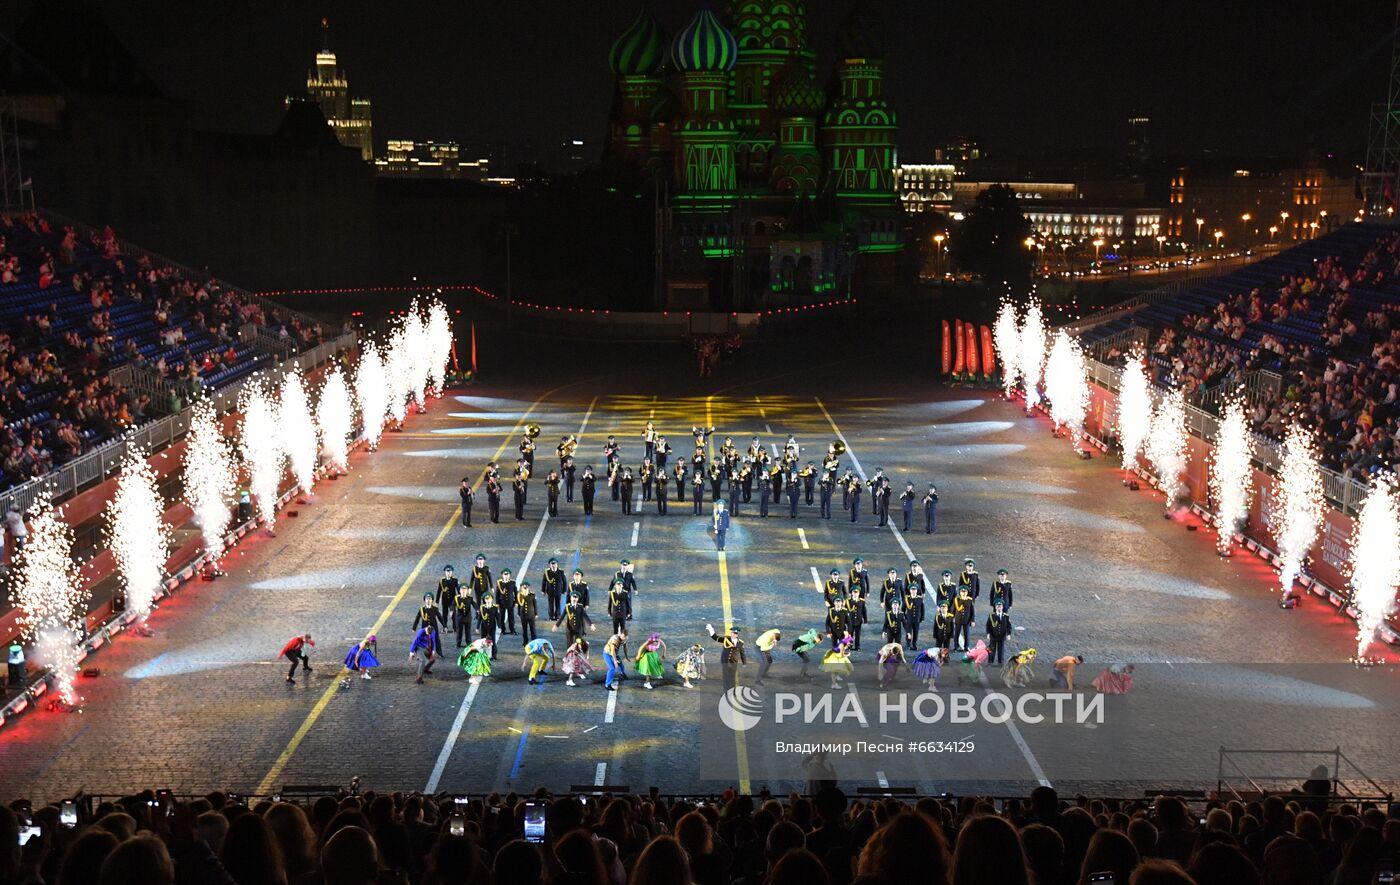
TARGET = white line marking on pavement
x,y
802,536
589,728
554,737
768,428
816,580
600,776
636,528
612,707
441,765
883,781
1010,726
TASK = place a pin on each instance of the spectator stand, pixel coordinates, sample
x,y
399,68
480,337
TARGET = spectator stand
x,y
1249,774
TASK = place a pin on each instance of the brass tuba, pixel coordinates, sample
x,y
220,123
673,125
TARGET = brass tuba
x,y
532,430
838,447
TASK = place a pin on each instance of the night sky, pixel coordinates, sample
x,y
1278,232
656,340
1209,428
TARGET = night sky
x,y
1024,77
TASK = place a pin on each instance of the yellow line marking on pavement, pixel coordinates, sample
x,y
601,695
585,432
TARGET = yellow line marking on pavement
x,y
741,750
265,787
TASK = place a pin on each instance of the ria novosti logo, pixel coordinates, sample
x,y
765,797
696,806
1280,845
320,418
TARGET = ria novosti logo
x,y
740,708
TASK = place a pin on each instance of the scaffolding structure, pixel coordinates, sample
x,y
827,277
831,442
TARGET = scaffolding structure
x,y
1383,144
18,191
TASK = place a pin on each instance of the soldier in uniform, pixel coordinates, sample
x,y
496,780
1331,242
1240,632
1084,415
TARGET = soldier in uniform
x,y
463,619
551,484
625,484
835,589
527,451
906,502
578,588
998,628
663,454
732,653
529,610
838,621
734,491
553,584
1001,591
765,492
858,615
588,486
915,589
809,481
859,575
931,510
467,494
882,502
481,581
746,477
647,473
895,627
716,480
828,482
963,614
488,621
847,482
610,455
518,486
697,482
575,620
505,599
943,627
678,473
446,597
493,498
567,469
794,494
892,590
628,579
853,493
429,616
662,483
619,606
973,582
874,484
649,438
615,478
946,589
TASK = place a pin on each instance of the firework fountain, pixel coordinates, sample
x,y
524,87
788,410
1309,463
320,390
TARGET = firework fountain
x,y
1134,409
439,345
399,371
419,356
1375,559
51,597
1298,507
335,417
210,478
298,430
1008,345
1066,386
372,389
261,445
1166,444
137,534
1031,353
1231,476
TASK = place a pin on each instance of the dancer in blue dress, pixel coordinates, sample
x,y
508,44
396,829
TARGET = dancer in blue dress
x,y
362,656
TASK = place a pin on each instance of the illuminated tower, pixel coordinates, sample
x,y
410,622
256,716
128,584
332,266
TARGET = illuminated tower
x,y
859,129
704,53
349,118
796,163
636,60
770,35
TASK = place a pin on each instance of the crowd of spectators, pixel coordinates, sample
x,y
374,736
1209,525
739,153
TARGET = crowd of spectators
x,y
1334,344
152,839
96,310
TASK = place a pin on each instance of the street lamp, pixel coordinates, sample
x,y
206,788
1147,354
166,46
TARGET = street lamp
x,y
1200,223
1273,229
1313,226
1283,219
1244,227
1097,243
1160,240
1218,234
938,261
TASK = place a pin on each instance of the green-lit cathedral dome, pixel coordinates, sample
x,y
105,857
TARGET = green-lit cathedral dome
x,y
798,95
640,50
704,45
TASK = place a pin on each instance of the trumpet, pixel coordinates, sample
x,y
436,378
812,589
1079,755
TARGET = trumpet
x,y
532,430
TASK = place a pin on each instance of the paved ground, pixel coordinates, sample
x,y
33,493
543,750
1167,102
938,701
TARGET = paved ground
x,y
1097,571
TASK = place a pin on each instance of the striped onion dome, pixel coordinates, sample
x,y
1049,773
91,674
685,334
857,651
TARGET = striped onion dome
x,y
640,50
704,45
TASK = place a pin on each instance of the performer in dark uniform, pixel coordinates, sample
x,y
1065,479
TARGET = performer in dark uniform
x,y
697,483
615,479
554,585
465,492
429,616
588,486
906,503
931,510
734,492
647,473
963,614
481,581
618,606
1001,591
446,597
858,615
946,589
527,452
464,615
505,600
625,484
973,582
916,589
835,589
663,454
610,450
826,492
765,492
838,622
493,498
943,627
998,628
551,484
628,579
809,481
882,502
488,621
874,484
794,495
575,620
848,483
662,484
892,590
732,655
578,588
854,489
716,481
517,484
529,610
896,629
859,575
568,471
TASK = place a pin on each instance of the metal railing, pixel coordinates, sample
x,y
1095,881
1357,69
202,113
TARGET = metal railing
x,y
1342,493
1346,781
101,462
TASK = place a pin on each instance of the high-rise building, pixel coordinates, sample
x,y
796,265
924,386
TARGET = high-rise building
x,y
350,118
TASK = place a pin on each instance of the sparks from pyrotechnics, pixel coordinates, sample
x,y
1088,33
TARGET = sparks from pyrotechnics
x,y
1134,409
137,533
399,370
298,429
210,476
1031,357
372,390
1298,510
439,345
51,596
417,349
261,445
1008,343
1067,386
1166,443
1375,559
335,418
1231,475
